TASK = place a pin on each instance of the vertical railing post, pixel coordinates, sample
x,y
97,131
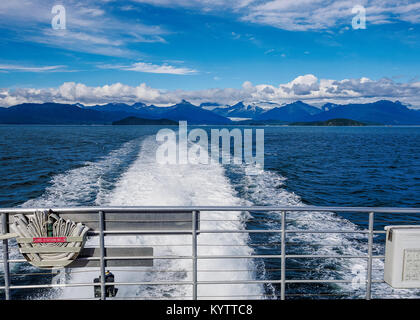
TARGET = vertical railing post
x,y
102,253
283,256
194,253
370,259
6,267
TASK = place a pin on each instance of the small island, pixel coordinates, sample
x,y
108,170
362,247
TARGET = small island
x,y
331,123
135,121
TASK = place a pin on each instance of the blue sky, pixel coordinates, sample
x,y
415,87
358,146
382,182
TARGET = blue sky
x,y
161,51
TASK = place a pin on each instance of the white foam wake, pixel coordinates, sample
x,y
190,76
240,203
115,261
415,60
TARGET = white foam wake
x,y
83,184
148,183
79,186
267,188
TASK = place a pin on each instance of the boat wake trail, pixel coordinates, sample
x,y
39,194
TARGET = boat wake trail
x,y
79,186
85,184
148,183
267,188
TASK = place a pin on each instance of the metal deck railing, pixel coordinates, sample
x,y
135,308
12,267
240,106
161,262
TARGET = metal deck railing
x,y
367,217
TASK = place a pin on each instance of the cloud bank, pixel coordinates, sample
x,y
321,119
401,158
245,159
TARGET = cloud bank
x,y
301,15
304,15
92,27
307,88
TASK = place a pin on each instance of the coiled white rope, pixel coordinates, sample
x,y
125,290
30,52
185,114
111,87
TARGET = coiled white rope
x,y
37,227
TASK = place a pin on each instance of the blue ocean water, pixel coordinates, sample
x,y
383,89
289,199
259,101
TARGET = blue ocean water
x,y
336,166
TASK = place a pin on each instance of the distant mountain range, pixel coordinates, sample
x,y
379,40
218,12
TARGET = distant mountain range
x,y
296,111
384,111
380,112
239,110
53,113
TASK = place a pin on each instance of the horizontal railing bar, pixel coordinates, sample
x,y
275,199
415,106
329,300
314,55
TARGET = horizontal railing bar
x,y
63,285
121,220
343,294
334,256
245,219
129,232
262,247
279,231
269,256
327,231
329,281
185,232
146,258
175,271
238,281
96,284
129,270
279,281
201,296
169,232
152,298
76,299
239,231
182,298
264,256
243,295
253,220
119,232
177,209
153,283
117,258
271,245
225,297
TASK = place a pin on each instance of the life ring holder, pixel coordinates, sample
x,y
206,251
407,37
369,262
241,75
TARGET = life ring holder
x,y
49,264
48,241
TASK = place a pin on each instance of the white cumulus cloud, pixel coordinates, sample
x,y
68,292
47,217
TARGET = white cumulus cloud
x,y
306,87
152,68
11,67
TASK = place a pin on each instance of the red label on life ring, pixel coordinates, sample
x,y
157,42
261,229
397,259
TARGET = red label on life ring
x,y
49,240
